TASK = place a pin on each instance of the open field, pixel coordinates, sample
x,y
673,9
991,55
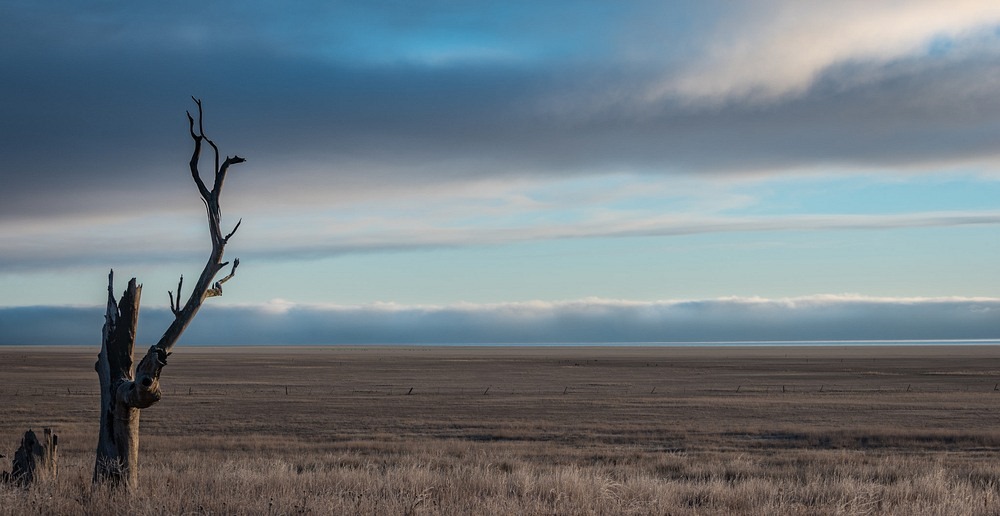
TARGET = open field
x,y
564,430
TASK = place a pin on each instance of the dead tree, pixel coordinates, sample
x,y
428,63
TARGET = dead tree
x,y
124,390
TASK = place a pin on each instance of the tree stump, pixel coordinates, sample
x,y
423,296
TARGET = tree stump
x,y
35,459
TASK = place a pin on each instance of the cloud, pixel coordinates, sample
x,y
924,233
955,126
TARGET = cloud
x,y
486,216
381,126
587,321
766,50
95,98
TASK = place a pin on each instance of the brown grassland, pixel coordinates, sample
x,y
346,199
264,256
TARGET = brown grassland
x,y
574,430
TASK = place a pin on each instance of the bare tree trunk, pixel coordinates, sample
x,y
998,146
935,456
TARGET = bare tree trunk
x,y
118,441
124,391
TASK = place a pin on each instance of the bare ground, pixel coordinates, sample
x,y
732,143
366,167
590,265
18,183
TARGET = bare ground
x,y
573,430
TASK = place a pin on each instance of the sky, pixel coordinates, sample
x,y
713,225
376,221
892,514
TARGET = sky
x,y
490,172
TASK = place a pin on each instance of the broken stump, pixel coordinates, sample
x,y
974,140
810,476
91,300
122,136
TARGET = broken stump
x,y
35,459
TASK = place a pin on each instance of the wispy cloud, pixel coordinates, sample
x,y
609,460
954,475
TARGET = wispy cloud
x,y
486,214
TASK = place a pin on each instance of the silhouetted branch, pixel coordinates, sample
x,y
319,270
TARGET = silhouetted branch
x,y
176,307
233,232
205,286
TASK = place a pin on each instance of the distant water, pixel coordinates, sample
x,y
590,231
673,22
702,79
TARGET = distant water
x,y
742,343
747,343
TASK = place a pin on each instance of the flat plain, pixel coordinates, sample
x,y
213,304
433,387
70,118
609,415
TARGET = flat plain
x,y
528,430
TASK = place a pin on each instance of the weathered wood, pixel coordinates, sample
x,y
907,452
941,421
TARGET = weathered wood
x,y
118,440
35,459
124,390
204,288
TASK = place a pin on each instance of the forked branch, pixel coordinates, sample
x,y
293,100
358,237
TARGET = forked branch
x,y
175,307
216,289
206,286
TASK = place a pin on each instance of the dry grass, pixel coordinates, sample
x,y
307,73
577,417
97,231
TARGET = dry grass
x,y
530,431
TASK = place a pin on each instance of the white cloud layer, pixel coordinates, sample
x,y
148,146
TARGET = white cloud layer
x,y
587,321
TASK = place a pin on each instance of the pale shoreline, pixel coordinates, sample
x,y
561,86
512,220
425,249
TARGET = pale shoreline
x,y
792,344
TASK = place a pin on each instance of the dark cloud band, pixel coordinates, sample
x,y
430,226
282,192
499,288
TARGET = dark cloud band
x,y
825,318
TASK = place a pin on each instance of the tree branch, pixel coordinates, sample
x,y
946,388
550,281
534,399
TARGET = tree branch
x,y
204,287
233,232
216,289
176,307
221,175
196,154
